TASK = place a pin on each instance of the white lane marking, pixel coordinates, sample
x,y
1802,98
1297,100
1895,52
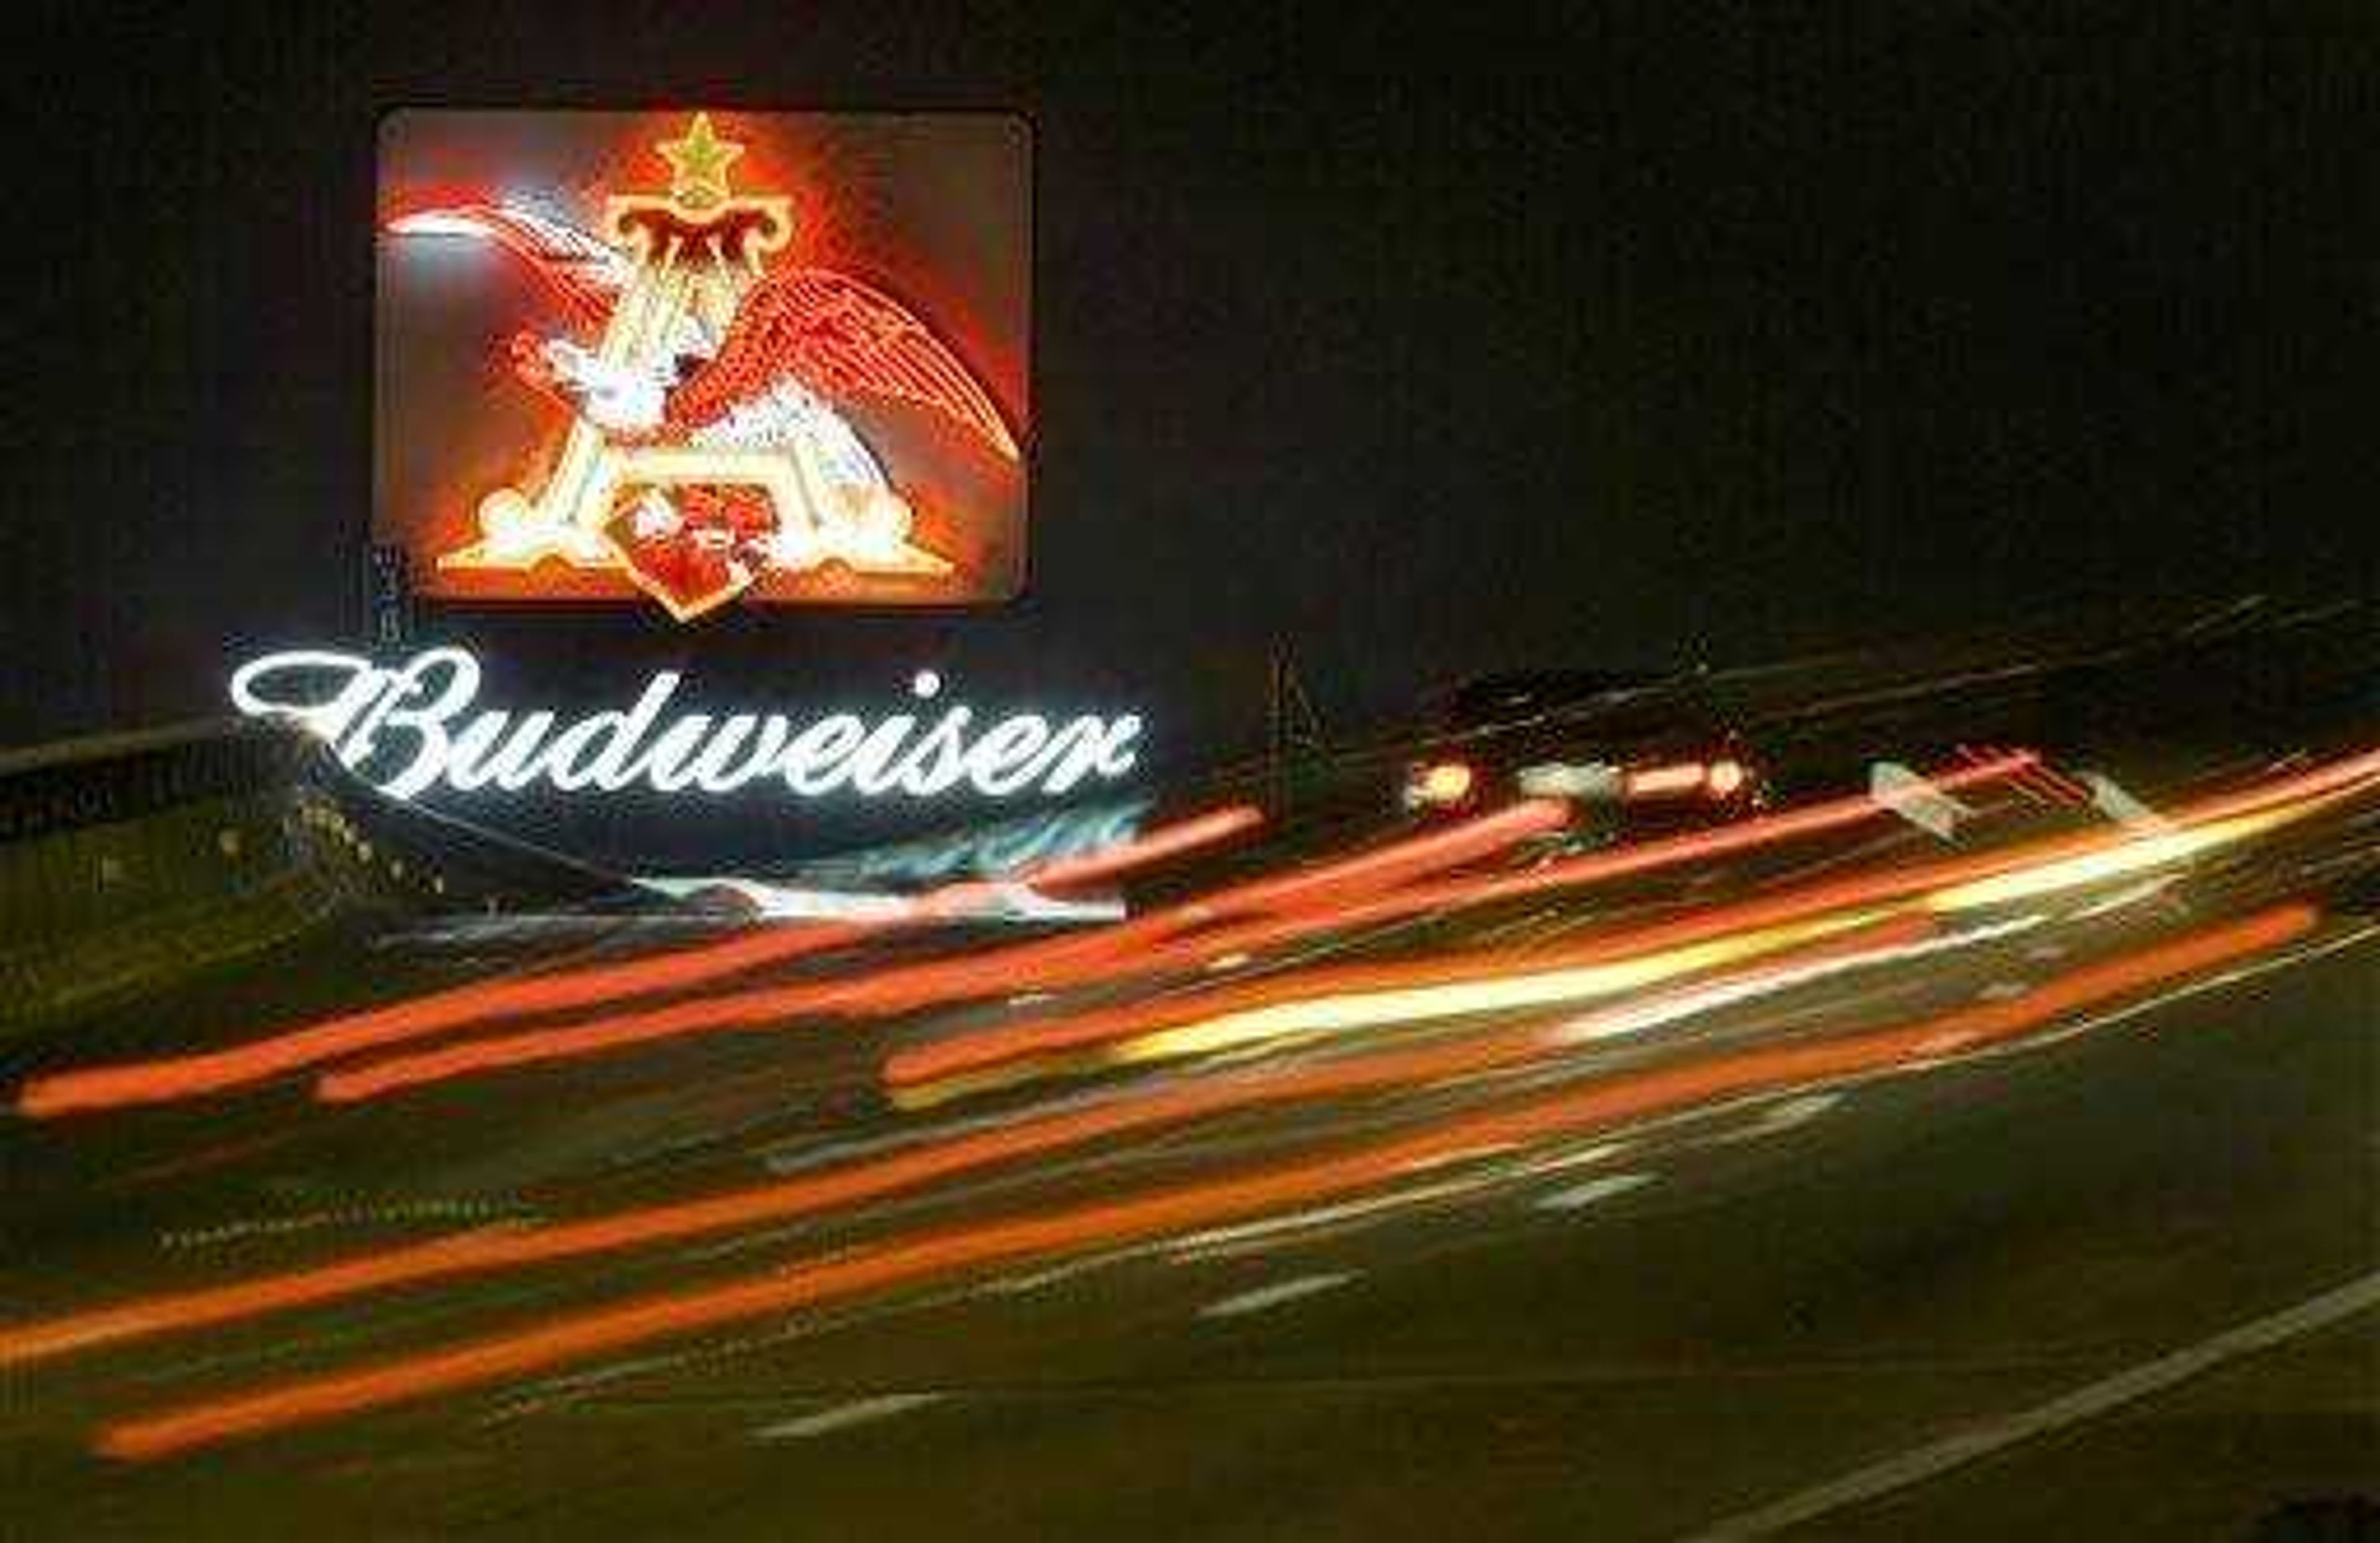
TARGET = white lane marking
x,y
1215,1239
858,1412
1018,1285
1795,1112
1785,1115
2003,991
1587,1193
1585,1157
1256,1301
2086,1402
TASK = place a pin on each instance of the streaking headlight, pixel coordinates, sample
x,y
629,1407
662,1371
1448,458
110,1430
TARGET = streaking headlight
x,y
1556,779
1440,784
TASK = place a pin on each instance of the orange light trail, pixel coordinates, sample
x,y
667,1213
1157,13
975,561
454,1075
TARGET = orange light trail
x,y
675,969
1961,881
1147,849
1117,1222
492,1250
1351,892
992,976
1339,894
1128,948
183,1077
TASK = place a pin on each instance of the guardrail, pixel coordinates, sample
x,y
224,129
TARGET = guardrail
x,y
132,860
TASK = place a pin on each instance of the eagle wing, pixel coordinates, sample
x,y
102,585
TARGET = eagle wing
x,y
839,337
583,273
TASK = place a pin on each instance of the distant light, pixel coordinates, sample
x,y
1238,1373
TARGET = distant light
x,y
1443,783
1724,779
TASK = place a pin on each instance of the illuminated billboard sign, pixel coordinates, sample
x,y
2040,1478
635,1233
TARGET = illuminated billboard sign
x,y
703,358
420,726
689,360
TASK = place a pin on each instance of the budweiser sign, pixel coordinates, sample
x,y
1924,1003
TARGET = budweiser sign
x,y
420,726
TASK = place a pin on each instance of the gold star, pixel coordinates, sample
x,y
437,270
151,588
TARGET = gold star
x,y
698,164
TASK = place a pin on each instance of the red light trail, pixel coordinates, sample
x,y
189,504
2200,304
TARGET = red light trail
x,y
1116,1222
1031,1136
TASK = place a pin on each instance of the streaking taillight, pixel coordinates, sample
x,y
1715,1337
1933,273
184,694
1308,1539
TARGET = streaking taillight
x,y
1663,782
1717,779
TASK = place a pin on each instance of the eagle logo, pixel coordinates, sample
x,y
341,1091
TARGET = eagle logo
x,y
708,446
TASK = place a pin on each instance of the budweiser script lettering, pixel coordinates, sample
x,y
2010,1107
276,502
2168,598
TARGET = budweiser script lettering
x,y
415,726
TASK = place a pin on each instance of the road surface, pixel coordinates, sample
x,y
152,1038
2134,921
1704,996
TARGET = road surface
x,y
1330,1175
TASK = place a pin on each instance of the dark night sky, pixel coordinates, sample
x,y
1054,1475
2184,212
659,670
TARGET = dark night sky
x,y
1645,333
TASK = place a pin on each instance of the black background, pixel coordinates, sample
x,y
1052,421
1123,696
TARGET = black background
x,y
1616,334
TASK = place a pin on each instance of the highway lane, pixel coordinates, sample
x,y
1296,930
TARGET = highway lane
x,y
1743,1280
